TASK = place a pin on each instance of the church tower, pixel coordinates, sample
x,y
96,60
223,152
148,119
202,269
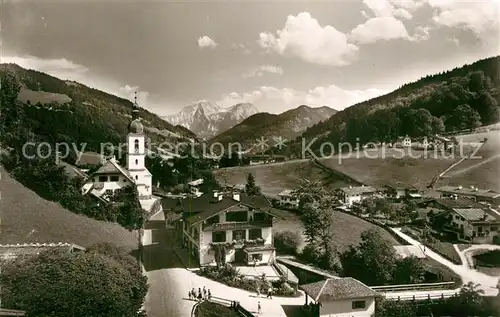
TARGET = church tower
x,y
136,155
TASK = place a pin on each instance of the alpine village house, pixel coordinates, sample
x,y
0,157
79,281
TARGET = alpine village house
x,y
228,228
111,176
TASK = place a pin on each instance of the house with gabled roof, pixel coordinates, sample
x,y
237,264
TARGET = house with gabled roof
x,y
341,297
355,194
228,227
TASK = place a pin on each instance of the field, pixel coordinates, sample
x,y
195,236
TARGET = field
x,y
27,218
42,97
273,178
347,229
482,172
379,167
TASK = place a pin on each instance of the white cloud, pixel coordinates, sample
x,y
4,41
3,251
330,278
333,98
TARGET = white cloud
x,y
129,92
67,70
60,68
379,28
242,47
206,42
303,37
478,16
389,8
282,99
259,71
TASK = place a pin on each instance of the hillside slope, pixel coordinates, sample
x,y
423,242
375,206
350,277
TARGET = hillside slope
x,y
287,125
27,218
69,111
461,98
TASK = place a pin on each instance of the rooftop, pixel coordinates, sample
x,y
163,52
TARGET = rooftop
x,y
458,203
338,289
405,251
10,251
359,190
475,214
286,192
207,205
11,312
473,191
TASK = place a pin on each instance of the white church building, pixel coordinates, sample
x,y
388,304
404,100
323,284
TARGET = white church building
x,y
111,176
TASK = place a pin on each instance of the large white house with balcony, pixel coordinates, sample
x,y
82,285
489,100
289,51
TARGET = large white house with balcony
x,y
228,228
288,199
111,176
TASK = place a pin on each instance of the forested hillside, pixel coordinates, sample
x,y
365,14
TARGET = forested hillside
x,y
66,111
463,98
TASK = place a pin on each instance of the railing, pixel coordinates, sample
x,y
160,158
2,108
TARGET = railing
x,y
413,287
225,302
422,297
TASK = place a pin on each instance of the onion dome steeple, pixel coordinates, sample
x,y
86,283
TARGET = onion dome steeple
x,y
135,125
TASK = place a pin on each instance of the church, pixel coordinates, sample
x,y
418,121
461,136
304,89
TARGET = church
x,y
111,176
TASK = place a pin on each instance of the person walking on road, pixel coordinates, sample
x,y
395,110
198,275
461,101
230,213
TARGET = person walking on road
x,y
258,291
204,292
209,294
270,292
259,309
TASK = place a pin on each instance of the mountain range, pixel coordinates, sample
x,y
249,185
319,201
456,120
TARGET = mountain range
x,y
286,126
208,119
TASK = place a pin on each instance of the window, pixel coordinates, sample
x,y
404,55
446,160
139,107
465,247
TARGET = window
x,y
254,234
136,145
114,178
236,216
136,162
103,178
93,180
259,216
239,234
136,177
219,236
108,192
257,257
359,304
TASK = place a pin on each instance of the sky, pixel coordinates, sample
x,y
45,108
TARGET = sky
x,y
275,54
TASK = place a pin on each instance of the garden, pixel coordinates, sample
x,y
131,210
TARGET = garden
x,y
230,276
209,309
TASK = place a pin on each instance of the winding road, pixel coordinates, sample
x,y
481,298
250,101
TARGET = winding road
x,y
486,283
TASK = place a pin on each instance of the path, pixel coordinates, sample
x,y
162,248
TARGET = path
x,y
486,283
169,282
467,254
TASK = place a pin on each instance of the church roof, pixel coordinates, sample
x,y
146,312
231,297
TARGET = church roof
x,y
136,127
112,167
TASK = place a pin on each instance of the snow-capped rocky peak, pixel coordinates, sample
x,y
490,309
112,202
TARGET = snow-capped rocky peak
x,y
209,119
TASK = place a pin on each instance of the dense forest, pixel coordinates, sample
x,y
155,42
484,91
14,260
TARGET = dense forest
x,y
66,111
463,98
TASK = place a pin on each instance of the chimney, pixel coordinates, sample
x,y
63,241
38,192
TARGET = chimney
x,y
236,196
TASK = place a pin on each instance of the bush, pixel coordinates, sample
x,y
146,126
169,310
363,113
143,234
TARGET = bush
x,y
287,242
72,284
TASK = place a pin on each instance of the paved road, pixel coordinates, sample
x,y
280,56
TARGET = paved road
x,y
487,283
170,282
